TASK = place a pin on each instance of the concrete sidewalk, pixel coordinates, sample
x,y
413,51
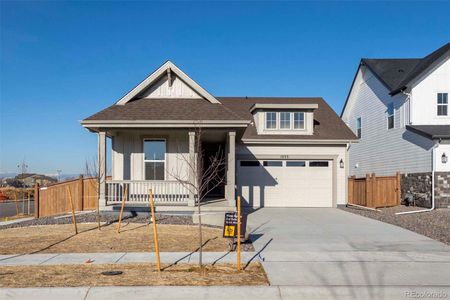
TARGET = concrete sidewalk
x,y
123,258
227,293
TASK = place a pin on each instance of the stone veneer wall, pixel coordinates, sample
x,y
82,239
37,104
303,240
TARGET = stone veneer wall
x,y
419,185
442,189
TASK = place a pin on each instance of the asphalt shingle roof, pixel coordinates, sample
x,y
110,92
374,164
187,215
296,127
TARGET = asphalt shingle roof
x,y
327,124
396,74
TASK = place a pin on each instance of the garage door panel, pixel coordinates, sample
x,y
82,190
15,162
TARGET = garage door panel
x,y
286,186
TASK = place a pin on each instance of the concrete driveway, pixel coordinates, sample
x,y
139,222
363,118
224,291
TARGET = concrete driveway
x,y
328,249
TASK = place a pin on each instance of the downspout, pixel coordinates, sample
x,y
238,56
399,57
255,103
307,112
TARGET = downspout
x,y
433,167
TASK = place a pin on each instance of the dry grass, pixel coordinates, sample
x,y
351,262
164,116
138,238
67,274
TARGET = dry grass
x,y
133,275
133,238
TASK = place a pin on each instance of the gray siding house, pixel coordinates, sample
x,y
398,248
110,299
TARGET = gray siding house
x,y
399,110
279,152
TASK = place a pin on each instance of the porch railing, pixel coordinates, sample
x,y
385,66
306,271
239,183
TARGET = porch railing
x,y
164,191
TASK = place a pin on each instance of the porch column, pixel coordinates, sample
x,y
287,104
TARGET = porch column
x,y
102,168
191,178
231,169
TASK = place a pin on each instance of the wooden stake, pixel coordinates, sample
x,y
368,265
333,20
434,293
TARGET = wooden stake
x,y
239,233
74,219
28,196
23,204
17,204
125,192
155,231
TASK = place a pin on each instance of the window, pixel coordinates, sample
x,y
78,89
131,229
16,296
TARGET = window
x,y
295,163
271,120
272,163
249,163
442,104
299,120
285,120
358,127
154,159
390,115
318,164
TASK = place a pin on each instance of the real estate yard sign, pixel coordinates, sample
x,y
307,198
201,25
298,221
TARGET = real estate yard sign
x,y
230,225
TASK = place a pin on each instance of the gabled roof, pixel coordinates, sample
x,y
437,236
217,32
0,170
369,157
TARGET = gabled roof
x,y
391,72
168,66
397,73
327,124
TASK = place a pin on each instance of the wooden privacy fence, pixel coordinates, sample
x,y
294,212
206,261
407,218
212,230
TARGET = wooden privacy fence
x,y
373,191
54,199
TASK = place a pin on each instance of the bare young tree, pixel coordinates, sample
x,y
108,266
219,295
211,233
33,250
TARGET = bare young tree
x,y
208,173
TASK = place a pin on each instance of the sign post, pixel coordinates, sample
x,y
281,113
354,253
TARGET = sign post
x,y
239,233
234,227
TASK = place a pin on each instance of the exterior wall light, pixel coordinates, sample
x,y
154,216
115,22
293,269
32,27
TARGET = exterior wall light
x,y
444,158
341,164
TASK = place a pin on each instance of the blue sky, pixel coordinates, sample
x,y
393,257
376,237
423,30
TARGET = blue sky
x,y
63,61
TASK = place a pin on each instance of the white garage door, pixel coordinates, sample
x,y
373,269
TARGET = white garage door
x,y
285,183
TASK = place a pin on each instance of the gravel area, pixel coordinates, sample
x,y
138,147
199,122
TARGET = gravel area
x,y
104,218
434,224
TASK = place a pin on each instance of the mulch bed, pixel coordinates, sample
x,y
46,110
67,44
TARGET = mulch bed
x,y
434,224
133,275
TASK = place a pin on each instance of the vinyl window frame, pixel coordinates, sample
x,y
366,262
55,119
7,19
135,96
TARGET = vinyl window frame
x,y
154,160
359,127
390,116
443,105
278,120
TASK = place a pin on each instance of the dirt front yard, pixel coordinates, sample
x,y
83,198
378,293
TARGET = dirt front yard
x,y
133,275
132,238
434,224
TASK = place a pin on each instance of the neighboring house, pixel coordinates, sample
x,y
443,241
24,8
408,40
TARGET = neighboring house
x,y
30,179
399,108
280,152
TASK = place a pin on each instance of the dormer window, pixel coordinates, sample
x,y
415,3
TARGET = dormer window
x,y
271,120
285,120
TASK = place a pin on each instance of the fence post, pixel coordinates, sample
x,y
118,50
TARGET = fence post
x,y
351,183
375,193
368,191
81,193
36,200
399,191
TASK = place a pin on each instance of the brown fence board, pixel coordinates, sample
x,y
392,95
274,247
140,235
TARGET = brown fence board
x,y
54,199
373,191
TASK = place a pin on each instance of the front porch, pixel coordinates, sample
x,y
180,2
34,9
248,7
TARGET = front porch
x,y
134,172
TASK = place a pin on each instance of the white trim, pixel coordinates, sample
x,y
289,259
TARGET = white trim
x,y
292,141
154,160
284,106
278,121
158,73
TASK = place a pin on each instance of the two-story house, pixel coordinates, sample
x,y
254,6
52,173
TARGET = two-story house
x,y
399,109
281,152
